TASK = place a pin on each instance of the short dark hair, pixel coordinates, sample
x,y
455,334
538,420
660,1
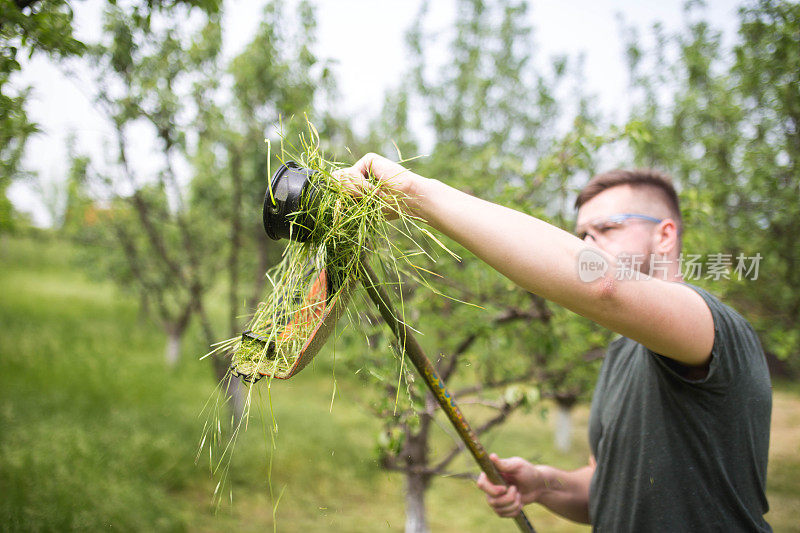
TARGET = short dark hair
x,y
637,178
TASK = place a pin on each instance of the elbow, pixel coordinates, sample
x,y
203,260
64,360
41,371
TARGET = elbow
x,y
605,289
598,273
601,300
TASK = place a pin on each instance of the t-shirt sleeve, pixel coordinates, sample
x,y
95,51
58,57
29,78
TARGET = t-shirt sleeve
x,y
734,349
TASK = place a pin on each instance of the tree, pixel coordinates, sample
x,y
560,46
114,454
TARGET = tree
x,y
41,27
727,129
35,27
162,246
173,235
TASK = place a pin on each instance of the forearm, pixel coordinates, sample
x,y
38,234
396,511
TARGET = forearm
x,y
567,493
537,256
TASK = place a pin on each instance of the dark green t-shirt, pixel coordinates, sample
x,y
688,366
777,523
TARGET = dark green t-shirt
x,y
675,454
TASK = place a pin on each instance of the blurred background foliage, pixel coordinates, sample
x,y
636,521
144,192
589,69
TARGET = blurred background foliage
x,y
101,386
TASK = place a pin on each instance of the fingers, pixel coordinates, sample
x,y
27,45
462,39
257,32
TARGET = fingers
x,y
364,165
394,184
505,501
507,466
510,510
382,169
356,178
352,180
490,488
510,469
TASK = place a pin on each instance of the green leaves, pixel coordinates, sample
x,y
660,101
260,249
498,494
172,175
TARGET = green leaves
x,y
44,27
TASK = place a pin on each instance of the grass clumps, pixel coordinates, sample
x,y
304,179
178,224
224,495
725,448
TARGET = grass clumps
x,y
309,288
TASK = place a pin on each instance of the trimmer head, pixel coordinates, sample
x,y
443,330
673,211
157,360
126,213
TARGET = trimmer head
x,y
289,202
316,316
288,213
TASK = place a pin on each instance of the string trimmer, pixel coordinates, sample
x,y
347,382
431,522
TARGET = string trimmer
x,y
288,213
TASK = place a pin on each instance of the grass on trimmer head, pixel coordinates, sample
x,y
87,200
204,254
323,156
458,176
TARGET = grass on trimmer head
x,y
346,226
347,229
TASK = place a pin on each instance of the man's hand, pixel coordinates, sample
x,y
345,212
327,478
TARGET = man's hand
x,y
397,184
564,493
525,485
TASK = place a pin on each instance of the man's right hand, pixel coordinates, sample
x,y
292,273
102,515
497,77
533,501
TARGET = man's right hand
x,y
398,185
525,481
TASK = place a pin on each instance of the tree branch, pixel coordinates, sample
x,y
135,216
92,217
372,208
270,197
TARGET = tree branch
x,y
446,365
495,384
506,410
134,262
511,314
143,211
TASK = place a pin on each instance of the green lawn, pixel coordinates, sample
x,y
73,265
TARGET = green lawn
x,y
97,433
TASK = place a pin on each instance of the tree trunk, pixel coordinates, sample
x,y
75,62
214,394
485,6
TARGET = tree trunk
x,y
234,390
236,241
263,246
415,451
172,352
563,436
416,521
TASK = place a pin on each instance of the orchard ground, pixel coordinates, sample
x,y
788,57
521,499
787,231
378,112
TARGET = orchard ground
x,y
97,432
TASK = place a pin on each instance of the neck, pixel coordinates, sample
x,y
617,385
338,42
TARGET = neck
x,y
667,269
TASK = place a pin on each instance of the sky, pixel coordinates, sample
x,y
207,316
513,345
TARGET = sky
x,y
366,39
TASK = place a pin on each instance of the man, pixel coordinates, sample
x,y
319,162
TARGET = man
x,y
679,425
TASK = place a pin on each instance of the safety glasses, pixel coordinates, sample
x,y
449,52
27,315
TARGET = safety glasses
x,y
605,225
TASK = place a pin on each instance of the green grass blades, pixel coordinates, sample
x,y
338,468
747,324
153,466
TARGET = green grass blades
x,y
307,285
315,273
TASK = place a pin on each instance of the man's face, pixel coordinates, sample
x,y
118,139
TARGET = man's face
x,y
638,236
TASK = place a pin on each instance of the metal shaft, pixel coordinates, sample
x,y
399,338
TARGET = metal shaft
x,y
413,350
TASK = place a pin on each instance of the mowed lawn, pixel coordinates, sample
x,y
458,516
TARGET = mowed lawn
x,y
96,432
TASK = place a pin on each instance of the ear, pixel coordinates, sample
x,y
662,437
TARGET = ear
x,y
665,237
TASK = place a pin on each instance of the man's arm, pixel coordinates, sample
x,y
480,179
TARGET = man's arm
x,y
567,493
668,318
564,493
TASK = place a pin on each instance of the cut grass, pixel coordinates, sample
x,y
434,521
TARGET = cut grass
x,y
338,228
309,288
